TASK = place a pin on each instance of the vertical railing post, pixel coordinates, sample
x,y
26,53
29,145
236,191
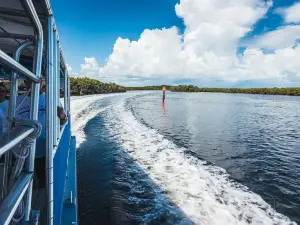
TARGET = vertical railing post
x,y
12,112
69,99
35,93
55,86
57,90
66,90
14,85
49,118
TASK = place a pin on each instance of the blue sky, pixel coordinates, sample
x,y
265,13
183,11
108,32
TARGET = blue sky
x,y
272,20
90,29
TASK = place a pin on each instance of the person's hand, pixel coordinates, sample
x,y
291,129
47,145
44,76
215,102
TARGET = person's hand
x,y
60,113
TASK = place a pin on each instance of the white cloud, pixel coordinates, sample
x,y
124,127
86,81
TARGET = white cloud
x,y
291,14
90,67
206,50
156,52
283,37
280,65
217,25
71,72
69,68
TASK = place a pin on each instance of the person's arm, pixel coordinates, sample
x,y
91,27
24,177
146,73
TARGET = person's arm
x,y
61,115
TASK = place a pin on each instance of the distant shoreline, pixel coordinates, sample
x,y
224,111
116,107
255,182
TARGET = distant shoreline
x,y
261,91
294,91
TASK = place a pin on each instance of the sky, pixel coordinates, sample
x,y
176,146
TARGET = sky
x,y
209,43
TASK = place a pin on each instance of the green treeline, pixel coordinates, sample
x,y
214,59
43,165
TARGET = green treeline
x,y
267,91
192,88
147,88
86,86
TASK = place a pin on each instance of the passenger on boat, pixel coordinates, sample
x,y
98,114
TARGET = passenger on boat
x,y
23,112
3,107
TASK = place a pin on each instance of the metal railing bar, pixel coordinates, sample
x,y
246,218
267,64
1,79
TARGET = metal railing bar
x,y
55,70
10,62
14,85
57,91
50,118
69,98
11,113
11,138
35,91
12,201
66,91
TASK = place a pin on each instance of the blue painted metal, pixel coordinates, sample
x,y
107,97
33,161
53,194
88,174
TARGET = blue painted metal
x,y
35,217
69,214
60,164
65,181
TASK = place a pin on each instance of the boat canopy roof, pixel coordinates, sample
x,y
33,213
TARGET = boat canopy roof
x,y
17,28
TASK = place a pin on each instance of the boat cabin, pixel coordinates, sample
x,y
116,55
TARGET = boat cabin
x,y
30,51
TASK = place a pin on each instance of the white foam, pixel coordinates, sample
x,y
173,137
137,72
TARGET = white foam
x,y
82,110
204,192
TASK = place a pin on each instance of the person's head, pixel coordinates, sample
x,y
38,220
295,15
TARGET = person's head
x,y
3,92
28,84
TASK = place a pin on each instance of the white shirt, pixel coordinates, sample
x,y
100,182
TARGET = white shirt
x,y
3,115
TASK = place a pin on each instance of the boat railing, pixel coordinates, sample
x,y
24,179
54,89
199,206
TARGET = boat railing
x,y
13,137
22,188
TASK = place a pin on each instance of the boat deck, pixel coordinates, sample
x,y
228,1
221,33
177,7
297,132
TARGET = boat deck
x,y
38,198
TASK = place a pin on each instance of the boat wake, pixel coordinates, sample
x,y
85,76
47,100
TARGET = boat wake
x,y
83,109
204,192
